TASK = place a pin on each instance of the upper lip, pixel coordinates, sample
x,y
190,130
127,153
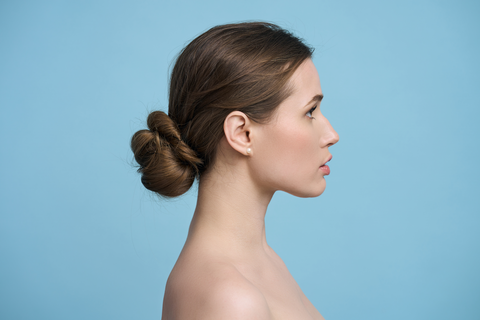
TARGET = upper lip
x,y
329,158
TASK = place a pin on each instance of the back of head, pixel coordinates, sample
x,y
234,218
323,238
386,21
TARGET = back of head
x,y
244,67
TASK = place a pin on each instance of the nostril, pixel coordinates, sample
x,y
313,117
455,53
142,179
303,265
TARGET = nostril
x,y
334,139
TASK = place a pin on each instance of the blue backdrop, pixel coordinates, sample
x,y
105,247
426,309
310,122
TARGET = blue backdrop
x,y
396,234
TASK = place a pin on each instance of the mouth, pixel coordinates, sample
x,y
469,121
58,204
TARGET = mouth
x,y
325,163
324,168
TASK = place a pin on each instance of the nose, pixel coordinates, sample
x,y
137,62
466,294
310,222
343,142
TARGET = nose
x,y
330,136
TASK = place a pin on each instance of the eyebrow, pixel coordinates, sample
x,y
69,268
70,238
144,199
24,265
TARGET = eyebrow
x,y
316,98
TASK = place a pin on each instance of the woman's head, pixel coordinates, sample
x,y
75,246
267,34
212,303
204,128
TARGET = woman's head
x,y
290,152
242,67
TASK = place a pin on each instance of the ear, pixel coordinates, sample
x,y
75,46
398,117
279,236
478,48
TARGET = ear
x,y
237,127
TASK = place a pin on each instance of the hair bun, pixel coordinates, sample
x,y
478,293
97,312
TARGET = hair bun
x,y
167,164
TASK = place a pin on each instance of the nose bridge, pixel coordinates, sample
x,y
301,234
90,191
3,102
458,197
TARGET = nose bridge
x,y
329,136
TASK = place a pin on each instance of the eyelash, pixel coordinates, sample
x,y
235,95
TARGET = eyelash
x,y
310,112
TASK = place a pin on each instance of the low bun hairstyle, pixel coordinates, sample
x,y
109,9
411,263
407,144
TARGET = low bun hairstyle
x,y
244,67
168,165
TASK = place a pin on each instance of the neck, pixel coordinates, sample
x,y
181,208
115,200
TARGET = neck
x,y
230,212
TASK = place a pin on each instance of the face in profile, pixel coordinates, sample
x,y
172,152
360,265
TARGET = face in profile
x,y
290,152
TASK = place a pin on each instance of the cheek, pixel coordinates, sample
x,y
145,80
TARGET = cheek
x,y
295,145
288,155
299,154
296,139
298,168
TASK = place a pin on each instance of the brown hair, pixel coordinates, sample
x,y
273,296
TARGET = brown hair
x,y
244,67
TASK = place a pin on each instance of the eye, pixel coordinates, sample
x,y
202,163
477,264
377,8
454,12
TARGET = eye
x,y
309,113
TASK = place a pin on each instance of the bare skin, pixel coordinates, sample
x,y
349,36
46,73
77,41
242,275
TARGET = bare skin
x,y
226,269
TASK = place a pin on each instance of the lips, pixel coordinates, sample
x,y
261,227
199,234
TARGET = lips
x,y
324,168
329,158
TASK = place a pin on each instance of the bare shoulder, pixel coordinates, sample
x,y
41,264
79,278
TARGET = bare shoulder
x,y
231,296
213,290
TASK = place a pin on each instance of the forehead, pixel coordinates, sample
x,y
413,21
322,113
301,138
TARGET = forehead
x,y
306,80
305,84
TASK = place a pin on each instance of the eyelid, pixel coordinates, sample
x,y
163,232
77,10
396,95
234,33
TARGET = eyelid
x,y
310,111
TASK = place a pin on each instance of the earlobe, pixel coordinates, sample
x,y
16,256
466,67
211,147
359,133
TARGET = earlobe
x,y
237,128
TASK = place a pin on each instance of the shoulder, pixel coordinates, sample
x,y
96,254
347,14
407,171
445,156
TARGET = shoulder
x,y
234,297
215,291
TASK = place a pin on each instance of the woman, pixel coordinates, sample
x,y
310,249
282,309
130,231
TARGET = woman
x,y
244,120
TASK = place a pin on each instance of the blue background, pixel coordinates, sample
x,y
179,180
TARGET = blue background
x,y
396,234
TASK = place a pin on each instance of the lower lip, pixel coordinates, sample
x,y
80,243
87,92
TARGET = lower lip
x,y
325,169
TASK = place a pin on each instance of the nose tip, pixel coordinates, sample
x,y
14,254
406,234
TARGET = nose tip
x,y
335,138
330,136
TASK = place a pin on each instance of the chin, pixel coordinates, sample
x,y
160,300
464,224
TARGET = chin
x,y
312,192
